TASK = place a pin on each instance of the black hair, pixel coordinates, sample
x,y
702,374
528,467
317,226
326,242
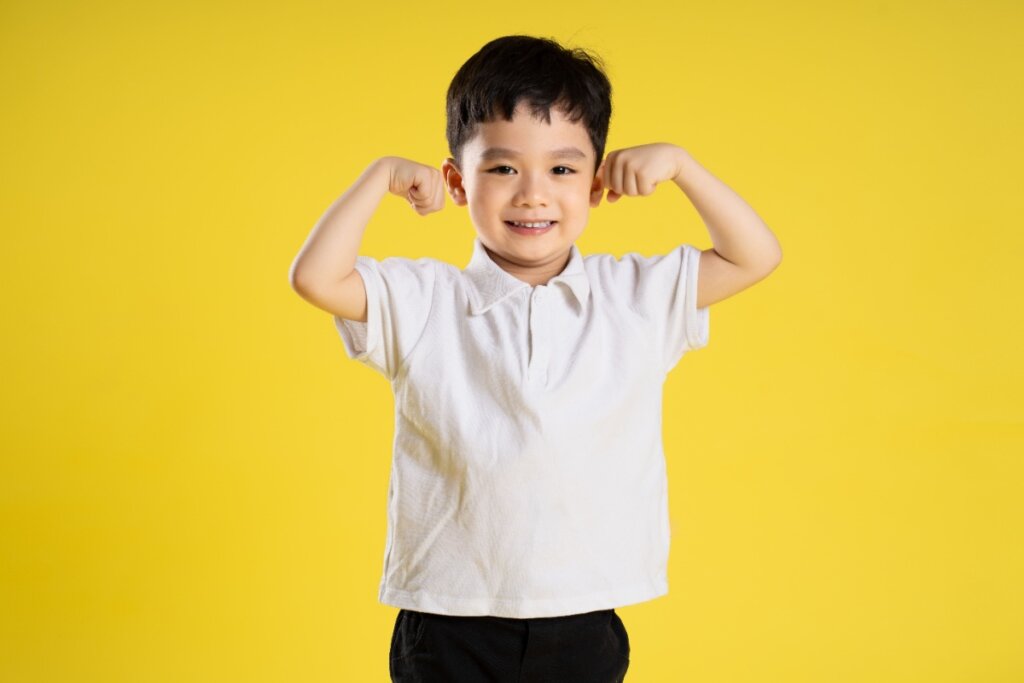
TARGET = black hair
x,y
537,70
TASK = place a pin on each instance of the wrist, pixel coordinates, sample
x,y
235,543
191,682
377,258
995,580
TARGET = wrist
x,y
684,165
381,170
382,165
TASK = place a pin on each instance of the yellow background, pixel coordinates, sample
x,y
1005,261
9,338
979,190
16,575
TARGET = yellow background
x,y
194,476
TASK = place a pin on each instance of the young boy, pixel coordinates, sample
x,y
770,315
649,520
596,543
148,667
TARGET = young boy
x,y
528,496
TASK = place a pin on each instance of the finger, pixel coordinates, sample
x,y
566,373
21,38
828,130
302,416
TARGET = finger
x,y
629,183
420,194
420,189
616,176
438,200
424,208
613,196
427,201
414,203
645,186
606,173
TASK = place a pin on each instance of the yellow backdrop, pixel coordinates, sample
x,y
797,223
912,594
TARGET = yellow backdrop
x,y
194,476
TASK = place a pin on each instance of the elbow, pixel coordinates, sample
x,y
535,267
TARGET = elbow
x,y
771,265
768,264
774,259
296,279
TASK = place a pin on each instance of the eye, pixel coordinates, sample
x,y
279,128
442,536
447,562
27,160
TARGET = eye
x,y
499,167
568,170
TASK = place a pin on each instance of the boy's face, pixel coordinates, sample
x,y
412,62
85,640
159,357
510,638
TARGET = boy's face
x,y
527,170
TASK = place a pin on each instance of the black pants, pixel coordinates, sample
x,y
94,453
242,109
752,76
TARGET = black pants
x,y
578,648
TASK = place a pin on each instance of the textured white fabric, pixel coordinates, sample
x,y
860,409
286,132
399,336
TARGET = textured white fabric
x,y
527,477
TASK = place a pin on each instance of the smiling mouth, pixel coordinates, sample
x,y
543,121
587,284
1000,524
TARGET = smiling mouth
x,y
531,225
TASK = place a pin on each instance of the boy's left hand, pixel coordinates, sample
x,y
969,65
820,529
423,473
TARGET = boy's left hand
x,y
637,170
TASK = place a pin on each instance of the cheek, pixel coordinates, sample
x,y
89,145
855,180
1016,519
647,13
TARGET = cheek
x,y
581,199
486,201
484,211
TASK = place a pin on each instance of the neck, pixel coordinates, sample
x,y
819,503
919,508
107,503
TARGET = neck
x,y
534,275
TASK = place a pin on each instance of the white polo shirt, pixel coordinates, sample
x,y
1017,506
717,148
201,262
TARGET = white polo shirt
x,y
527,476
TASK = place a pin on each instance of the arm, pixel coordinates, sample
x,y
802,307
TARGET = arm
x,y
745,249
324,271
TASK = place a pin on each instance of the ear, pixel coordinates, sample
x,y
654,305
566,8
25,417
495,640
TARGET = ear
x,y
597,188
453,181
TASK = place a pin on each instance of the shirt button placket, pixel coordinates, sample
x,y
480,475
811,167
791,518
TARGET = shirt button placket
x,y
538,367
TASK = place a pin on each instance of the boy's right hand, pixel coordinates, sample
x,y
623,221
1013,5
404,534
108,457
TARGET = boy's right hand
x,y
421,185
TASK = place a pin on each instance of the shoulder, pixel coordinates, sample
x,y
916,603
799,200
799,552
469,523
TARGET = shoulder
x,y
634,265
398,271
652,285
399,264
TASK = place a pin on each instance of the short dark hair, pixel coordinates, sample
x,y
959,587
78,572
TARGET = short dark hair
x,y
537,70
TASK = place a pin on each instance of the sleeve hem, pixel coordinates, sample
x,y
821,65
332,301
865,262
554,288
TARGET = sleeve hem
x,y
356,332
697,319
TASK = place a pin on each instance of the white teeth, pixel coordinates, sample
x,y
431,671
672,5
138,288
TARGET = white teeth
x,y
531,225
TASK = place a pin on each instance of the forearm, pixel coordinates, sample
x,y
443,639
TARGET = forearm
x,y
329,253
737,232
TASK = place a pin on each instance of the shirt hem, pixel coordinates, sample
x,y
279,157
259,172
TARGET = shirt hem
x,y
422,601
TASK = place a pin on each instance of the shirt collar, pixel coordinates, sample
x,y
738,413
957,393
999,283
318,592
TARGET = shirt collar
x,y
490,284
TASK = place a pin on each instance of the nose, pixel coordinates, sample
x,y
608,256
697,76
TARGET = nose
x,y
531,191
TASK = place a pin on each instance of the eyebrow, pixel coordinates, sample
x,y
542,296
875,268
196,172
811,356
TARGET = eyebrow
x,y
504,152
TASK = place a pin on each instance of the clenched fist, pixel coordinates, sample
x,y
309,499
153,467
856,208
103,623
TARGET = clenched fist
x,y
421,185
637,170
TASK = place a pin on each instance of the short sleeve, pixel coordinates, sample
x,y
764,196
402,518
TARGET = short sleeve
x,y
663,290
399,297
